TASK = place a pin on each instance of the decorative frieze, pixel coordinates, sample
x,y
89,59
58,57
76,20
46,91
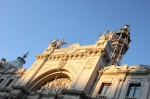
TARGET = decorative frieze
x,y
110,74
41,56
62,63
78,55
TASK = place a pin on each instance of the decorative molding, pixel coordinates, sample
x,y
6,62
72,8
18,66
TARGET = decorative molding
x,y
73,48
71,56
111,74
62,63
41,56
107,80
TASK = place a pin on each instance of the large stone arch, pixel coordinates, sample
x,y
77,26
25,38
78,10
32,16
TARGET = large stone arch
x,y
41,80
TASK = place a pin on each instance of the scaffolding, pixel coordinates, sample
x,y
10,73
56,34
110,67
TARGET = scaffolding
x,y
120,45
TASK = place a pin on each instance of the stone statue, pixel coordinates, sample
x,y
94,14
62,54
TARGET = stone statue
x,y
53,43
60,43
57,44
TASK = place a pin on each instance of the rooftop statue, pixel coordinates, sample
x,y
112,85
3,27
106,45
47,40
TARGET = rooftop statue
x,y
57,43
60,43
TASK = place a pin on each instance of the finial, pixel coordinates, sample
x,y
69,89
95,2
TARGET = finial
x,y
25,55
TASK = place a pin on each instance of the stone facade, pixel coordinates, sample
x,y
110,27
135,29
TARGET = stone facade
x,y
77,72
120,79
10,72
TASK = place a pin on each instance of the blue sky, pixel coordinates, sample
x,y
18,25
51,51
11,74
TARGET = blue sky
x,y
31,24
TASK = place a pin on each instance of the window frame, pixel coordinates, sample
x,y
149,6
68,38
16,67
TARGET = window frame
x,y
9,82
134,86
106,90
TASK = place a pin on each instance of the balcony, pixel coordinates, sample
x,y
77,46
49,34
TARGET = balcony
x,y
98,96
131,98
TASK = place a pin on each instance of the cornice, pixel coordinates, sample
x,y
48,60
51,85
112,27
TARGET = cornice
x,y
74,51
71,56
138,73
41,56
111,71
110,74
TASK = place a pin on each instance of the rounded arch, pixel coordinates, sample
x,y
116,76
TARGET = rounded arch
x,y
49,76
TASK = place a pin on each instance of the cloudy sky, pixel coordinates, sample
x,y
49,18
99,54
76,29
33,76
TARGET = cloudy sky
x,y
30,25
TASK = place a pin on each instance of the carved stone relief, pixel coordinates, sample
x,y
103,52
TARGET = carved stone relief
x,y
61,63
56,85
73,48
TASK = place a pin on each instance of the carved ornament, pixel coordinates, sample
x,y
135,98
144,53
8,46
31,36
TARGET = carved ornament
x,y
73,48
56,85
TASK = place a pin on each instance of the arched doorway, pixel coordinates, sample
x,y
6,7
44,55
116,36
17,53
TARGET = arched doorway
x,y
53,82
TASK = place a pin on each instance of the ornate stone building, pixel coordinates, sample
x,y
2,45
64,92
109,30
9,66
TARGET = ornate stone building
x,y
77,72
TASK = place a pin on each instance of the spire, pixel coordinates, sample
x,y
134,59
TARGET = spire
x,y
25,55
21,59
18,63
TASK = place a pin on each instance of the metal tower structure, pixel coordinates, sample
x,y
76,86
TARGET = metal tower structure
x,y
120,45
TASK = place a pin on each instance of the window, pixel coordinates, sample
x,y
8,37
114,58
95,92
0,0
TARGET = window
x,y
9,82
105,88
133,90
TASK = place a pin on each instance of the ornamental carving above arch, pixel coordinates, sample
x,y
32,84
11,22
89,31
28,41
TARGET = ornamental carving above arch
x,y
52,81
56,85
